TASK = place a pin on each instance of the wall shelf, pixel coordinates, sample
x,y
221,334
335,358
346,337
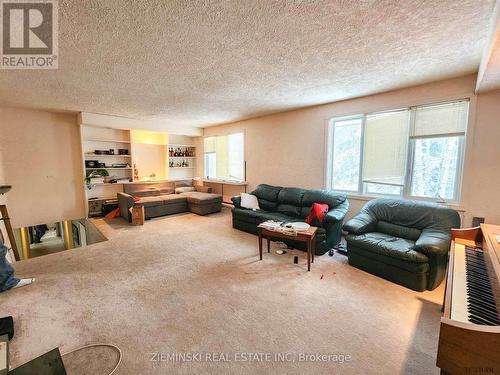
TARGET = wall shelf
x,y
93,169
182,157
108,183
182,167
88,154
105,140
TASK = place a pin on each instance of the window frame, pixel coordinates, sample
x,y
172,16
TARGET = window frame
x,y
331,151
215,152
408,179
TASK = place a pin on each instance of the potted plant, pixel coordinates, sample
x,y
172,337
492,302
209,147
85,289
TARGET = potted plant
x,y
95,177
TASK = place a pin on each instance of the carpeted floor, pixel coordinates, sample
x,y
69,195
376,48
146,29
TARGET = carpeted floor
x,y
192,284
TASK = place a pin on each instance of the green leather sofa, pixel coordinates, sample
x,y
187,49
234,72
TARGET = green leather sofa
x,y
293,204
406,242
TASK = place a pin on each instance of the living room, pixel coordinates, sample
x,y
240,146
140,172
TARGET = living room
x,y
261,187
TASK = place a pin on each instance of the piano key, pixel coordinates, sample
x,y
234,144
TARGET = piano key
x,y
491,316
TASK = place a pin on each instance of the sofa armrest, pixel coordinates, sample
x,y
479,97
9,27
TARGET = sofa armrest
x,y
361,223
433,242
236,201
333,224
203,189
337,213
125,201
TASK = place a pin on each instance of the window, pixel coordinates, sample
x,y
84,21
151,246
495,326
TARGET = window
x,y
224,157
413,152
210,164
346,154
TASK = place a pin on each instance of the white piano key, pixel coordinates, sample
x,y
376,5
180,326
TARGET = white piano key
x,y
459,291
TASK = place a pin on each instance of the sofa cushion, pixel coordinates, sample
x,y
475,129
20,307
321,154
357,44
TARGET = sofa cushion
x,y
398,230
149,188
151,201
184,189
248,216
290,201
413,214
264,204
267,192
172,198
201,198
291,196
290,210
183,183
146,193
257,217
387,245
267,196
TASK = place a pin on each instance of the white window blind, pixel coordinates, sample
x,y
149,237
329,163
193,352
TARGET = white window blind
x,y
209,144
443,119
224,156
235,156
385,148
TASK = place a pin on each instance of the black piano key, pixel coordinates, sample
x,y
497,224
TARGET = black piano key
x,y
479,301
482,309
478,277
481,320
491,316
471,284
479,282
479,288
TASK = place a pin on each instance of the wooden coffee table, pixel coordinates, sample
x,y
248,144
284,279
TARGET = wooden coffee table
x,y
307,236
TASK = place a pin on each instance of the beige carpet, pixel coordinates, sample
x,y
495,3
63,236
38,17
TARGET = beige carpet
x,y
192,284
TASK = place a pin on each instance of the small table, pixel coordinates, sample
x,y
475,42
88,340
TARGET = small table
x,y
307,236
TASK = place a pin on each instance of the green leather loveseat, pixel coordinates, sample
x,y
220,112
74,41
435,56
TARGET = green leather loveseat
x,y
293,204
403,241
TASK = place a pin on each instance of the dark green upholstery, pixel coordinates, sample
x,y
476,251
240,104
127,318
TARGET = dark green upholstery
x,y
293,204
403,241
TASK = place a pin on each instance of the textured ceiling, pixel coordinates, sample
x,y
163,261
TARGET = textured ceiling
x,y
489,70
206,62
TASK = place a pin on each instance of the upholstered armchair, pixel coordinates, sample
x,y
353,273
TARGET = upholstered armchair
x,y
403,241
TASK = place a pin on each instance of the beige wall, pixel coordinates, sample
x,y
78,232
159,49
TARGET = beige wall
x,y
481,189
40,155
149,151
289,148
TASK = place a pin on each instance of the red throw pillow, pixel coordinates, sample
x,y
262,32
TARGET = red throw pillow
x,y
136,199
317,214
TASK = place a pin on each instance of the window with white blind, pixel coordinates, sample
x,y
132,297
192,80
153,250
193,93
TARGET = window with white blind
x,y
224,157
414,152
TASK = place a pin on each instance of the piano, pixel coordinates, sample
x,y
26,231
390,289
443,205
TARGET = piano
x,y
469,335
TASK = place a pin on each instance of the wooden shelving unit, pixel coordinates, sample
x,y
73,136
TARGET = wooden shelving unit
x,y
183,165
105,139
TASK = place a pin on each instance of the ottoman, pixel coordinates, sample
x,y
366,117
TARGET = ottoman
x,y
203,203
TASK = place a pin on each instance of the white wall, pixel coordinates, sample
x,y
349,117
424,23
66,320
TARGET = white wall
x,y
289,149
40,155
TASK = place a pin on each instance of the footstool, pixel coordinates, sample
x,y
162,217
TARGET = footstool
x,y
203,203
